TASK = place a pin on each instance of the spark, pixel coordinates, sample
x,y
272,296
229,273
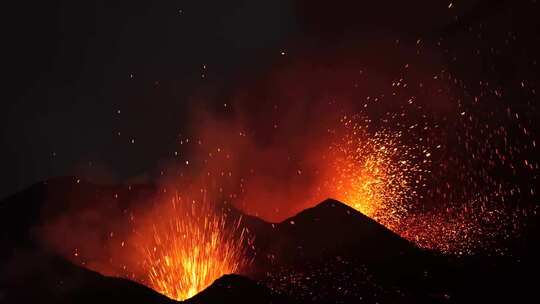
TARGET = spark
x,y
373,173
187,246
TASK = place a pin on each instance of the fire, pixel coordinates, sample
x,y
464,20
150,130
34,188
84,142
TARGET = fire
x,y
374,173
187,246
385,177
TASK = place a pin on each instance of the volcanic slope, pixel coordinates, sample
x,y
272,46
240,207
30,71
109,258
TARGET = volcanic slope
x,y
332,252
326,254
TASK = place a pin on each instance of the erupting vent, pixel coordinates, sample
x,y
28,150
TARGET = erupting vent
x,y
187,246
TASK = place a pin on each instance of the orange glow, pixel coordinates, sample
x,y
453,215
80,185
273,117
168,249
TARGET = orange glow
x,y
187,246
375,174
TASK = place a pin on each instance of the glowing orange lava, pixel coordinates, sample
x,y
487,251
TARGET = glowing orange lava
x,y
375,174
187,246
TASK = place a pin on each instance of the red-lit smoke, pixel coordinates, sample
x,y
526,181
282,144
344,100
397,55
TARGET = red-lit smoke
x,y
393,134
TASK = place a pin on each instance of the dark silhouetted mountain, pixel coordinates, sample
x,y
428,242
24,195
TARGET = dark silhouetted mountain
x,y
326,254
332,252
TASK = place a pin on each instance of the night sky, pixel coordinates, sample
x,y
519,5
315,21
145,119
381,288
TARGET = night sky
x,y
103,89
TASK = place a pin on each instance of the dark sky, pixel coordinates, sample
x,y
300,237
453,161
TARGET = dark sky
x,y
80,72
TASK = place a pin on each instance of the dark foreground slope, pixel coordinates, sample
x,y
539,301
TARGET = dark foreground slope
x,y
38,278
237,289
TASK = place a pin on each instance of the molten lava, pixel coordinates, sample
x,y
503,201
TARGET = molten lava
x,y
187,246
376,173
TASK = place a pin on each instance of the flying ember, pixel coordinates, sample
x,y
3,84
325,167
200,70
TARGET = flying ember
x,y
374,173
187,245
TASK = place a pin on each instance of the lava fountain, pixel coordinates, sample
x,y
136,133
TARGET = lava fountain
x,y
376,174
186,245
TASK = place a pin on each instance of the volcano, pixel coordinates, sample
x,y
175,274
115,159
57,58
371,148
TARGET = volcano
x,y
325,254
